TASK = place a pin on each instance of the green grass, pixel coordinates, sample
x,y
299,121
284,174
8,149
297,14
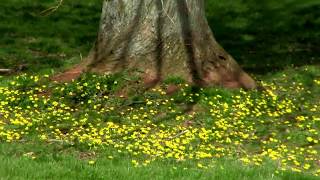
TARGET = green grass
x,y
48,133
268,35
44,43
67,163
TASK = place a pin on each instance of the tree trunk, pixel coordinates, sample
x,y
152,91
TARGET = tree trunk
x,y
162,38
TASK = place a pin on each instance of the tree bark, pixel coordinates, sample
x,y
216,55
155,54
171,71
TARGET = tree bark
x,y
162,38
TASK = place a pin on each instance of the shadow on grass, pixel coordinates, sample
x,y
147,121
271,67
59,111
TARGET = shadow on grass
x,y
263,36
268,35
46,42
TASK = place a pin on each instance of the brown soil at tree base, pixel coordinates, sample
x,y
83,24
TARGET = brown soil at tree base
x,y
150,81
69,75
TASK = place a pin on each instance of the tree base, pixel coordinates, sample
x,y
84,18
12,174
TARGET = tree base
x,y
160,39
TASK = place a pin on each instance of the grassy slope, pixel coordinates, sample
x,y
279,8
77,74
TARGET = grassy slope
x,y
277,34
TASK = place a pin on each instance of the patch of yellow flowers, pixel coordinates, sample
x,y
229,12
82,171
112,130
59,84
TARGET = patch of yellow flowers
x,y
251,126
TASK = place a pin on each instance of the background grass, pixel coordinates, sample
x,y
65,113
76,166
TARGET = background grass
x,y
268,38
263,36
49,42
268,35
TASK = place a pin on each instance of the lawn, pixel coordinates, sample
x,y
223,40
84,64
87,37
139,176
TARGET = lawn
x,y
88,129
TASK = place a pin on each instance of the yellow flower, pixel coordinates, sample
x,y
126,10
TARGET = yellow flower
x,y
300,118
200,165
306,166
135,162
43,137
91,162
309,139
55,103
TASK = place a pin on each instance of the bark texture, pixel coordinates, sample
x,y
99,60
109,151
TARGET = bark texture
x,y
161,38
